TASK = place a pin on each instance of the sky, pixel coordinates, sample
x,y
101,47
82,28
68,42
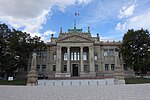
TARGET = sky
x,y
110,18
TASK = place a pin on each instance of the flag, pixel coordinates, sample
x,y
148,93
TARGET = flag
x,y
76,14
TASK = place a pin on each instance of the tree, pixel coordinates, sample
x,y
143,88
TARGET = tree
x,y
15,48
135,49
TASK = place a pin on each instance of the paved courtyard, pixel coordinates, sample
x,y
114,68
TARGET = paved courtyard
x,y
101,92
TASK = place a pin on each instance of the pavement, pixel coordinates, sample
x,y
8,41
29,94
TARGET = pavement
x,y
99,92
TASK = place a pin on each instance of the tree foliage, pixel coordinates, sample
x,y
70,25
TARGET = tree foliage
x,y
15,48
135,49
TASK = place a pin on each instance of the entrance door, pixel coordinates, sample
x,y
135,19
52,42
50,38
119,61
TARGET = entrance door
x,y
75,69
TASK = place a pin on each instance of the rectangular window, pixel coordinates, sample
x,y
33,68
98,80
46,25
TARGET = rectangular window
x,y
65,68
54,57
113,67
71,55
65,56
125,67
75,56
95,56
26,68
85,68
96,68
84,55
78,56
106,52
106,67
38,68
111,52
54,68
43,67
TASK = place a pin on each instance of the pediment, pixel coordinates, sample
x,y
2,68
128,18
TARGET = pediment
x,y
75,38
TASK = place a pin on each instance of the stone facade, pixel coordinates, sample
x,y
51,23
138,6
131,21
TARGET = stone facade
x,y
78,54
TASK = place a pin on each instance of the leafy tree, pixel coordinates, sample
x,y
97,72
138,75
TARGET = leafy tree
x,y
135,49
15,48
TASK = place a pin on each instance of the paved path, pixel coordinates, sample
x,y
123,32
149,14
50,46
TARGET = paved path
x,y
103,92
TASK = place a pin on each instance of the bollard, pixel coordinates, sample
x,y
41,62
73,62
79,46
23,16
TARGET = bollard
x,y
62,83
53,83
79,82
106,82
97,83
44,83
88,82
71,83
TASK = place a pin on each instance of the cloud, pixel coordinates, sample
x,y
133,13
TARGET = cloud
x,y
31,14
126,11
135,22
120,26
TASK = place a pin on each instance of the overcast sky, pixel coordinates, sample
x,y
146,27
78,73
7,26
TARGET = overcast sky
x,y
110,18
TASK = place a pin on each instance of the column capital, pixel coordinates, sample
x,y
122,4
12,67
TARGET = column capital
x,y
82,47
58,47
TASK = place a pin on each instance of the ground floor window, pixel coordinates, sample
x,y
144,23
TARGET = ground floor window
x,y
112,67
106,67
96,68
85,68
125,67
38,67
65,69
54,68
43,67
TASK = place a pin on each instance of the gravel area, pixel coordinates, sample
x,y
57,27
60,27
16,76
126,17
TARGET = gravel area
x,y
101,92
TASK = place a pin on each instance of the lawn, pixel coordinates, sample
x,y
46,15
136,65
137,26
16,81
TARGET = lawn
x,y
15,82
137,80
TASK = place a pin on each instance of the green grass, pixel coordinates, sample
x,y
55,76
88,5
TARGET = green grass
x,y
137,80
15,82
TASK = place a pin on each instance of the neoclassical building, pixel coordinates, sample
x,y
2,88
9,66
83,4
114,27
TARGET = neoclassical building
x,y
78,54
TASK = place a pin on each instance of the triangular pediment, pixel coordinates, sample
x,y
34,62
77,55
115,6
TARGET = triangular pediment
x,y
74,38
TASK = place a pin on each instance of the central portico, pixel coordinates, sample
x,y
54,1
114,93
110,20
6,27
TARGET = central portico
x,y
75,55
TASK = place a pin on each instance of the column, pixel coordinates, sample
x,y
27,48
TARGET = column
x,y
81,60
91,60
68,60
58,62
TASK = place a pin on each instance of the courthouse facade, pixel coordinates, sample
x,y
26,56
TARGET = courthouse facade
x,y
78,54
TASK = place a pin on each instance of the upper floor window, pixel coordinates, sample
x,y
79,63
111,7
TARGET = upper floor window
x,y
95,56
84,55
54,57
106,67
65,56
106,52
75,56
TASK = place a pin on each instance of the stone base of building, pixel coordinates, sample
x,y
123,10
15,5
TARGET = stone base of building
x,y
62,75
119,82
90,74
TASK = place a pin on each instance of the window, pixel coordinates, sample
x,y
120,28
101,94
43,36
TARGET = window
x,y
75,56
25,68
54,57
111,52
65,68
106,52
85,68
43,67
65,56
71,55
95,56
84,55
106,66
54,68
96,68
125,67
78,56
112,66
38,68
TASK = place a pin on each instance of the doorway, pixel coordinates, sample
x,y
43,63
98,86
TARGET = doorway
x,y
75,69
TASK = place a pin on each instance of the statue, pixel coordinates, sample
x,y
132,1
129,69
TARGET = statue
x,y
118,73
33,75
